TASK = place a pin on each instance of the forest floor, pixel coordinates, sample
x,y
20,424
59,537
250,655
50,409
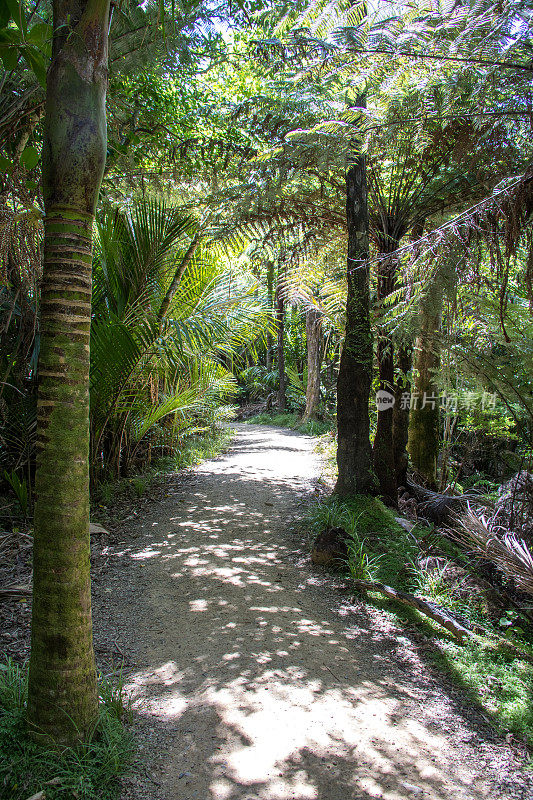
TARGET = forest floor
x,y
256,677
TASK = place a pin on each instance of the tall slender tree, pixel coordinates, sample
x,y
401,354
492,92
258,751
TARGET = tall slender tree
x,y
313,331
354,454
280,327
63,699
383,450
423,441
270,295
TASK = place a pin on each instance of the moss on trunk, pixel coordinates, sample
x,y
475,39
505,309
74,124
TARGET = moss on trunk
x,y
280,327
400,414
63,699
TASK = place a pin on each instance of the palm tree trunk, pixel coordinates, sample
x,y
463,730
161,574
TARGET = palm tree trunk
x,y
63,699
313,330
423,442
354,454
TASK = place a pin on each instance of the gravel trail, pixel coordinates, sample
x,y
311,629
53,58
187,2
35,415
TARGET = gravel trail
x,y
253,677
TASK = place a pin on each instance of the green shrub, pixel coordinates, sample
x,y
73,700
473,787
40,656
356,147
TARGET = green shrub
x,y
380,549
361,566
367,520
194,449
21,490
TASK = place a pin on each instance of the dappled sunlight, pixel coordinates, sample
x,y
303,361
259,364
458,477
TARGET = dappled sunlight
x,y
148,552
272,728
267,688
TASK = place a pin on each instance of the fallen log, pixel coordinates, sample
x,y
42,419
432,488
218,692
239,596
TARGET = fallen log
x,y
442,617
15,591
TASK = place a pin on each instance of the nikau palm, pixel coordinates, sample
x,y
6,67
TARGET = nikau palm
x,y
63,699
165,314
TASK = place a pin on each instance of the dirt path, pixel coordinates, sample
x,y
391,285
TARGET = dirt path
x,y
254,679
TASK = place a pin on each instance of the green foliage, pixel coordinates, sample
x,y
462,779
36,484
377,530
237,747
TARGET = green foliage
x,y
502,684
388,549
432,584
20,488
360,565
152,379
31,43
200,447
87,772
189,452
379,549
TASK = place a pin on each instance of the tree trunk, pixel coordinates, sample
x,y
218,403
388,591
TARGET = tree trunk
x,y
280,325
313,330
63,698
423,442
383,443
270,293
400,414
354,454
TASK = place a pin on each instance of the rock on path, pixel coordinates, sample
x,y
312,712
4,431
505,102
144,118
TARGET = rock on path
x,y
255,679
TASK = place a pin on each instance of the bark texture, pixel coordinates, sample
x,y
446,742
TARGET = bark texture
x,y
280,326
63,698
400,414
384,462
423,442
313,330
354,454
270,294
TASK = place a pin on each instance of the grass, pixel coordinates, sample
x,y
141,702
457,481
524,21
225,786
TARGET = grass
x,y
196,449
193,450
501,683
312,428
367,521
498,680
87,772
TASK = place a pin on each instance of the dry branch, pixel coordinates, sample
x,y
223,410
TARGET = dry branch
x,y
428,609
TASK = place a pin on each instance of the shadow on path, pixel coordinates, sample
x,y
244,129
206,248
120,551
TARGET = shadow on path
x,y
254,681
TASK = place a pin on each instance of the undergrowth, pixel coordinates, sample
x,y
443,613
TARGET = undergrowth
x,y
87,772
192,451
497,678
312,428
500,682
367,521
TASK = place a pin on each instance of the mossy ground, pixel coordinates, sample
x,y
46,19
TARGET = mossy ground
x,y
367,520
88,772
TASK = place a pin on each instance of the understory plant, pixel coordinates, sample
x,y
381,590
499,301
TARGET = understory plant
x,y
312,427
382,549
159,345
89,771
